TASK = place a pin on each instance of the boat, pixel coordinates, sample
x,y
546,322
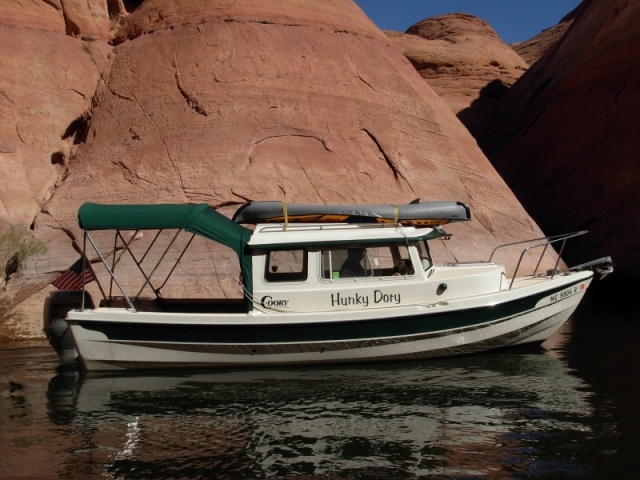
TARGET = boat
x,y
312,293
416,213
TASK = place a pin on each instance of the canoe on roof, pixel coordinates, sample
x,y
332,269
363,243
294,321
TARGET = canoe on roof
x,y
417,214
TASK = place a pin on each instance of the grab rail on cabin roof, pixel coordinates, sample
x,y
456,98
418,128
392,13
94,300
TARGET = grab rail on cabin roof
x,y
544,242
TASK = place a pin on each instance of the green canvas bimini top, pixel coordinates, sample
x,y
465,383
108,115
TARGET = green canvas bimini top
x,y
200,219
93,216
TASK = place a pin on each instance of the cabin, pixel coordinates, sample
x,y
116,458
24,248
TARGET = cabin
x,y
329,267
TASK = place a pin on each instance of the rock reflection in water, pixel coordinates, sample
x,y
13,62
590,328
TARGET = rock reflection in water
x,y
496,415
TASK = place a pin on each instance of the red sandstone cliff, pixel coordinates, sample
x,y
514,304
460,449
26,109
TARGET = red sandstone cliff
x,y
534,48
219,103
566,138
465,62
47,81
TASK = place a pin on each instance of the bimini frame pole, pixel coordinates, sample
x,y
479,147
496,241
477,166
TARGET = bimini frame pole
x,y
85,262
164,254
113,278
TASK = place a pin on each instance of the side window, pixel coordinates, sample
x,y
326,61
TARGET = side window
x,y
343,262
382,259
286,266
378,261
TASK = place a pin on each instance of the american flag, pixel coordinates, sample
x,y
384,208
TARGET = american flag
x,y
72,278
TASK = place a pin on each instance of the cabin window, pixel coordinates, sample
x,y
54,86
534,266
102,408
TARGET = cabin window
x,y
366,261
425,255
286,266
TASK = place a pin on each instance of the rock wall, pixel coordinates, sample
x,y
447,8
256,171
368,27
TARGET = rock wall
x,y
465,62
534,48
55,54
47,82
566,139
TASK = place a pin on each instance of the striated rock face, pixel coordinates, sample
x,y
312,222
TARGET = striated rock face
x,y
54,53
222,102
91,19
534,48
464,61
567,138
48,79
49,75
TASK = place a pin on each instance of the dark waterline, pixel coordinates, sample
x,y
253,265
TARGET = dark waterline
x,y
567,410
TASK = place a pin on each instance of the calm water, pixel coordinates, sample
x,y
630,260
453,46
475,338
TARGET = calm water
x,y
568,410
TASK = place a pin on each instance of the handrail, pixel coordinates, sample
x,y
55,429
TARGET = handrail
x,y
544,242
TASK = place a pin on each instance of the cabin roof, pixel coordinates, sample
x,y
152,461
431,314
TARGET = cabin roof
x,y
315,234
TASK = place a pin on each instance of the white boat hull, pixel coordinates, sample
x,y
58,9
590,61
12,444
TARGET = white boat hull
x,y
112,339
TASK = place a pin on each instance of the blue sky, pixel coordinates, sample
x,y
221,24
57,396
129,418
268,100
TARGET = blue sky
x,y
513,20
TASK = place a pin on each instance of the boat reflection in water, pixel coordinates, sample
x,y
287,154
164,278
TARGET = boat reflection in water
x,y
503,415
